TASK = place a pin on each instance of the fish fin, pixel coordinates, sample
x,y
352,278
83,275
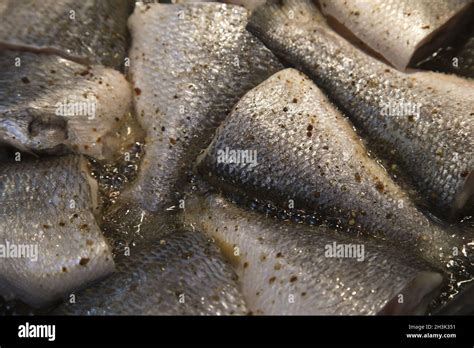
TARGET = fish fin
x,y
415,297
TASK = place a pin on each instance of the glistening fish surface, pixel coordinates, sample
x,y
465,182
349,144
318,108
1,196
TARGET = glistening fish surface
x,y
50,204
423,121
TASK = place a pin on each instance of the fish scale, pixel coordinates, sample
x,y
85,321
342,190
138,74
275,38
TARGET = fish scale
x,y
309,155
88,31
277,260
50,204
179,273
189,64
399,30
434,146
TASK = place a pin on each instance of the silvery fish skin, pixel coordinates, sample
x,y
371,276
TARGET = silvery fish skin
x,y
308,155
49,206
248,4
50,104
184,1
90,31
461,304
286,268
184,92
400,30
422,121
181,273
456,59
